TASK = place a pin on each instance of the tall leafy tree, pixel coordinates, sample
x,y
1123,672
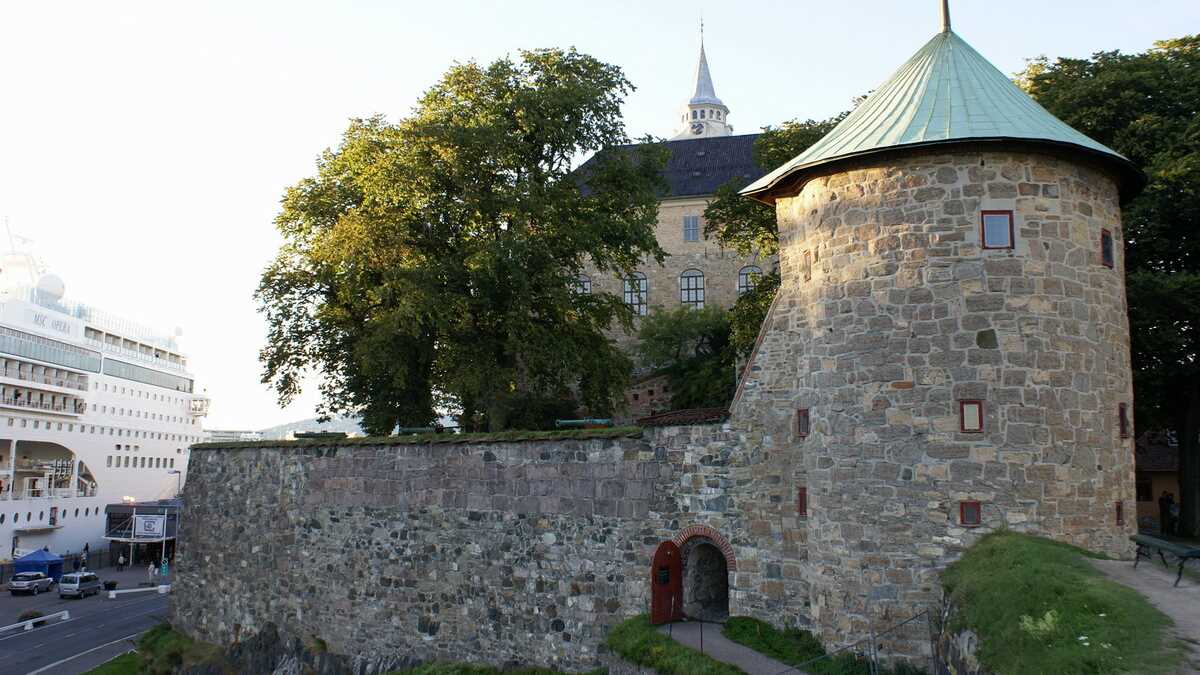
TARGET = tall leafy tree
x,y
749,226
433,262
1147,106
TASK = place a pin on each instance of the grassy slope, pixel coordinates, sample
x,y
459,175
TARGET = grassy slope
x,y
637,641
125,664
1039,607
795,647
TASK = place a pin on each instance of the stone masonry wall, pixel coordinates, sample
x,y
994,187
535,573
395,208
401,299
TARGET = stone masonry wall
x,y
522,552
902,316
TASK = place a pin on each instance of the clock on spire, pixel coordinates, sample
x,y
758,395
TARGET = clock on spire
x,y
704,115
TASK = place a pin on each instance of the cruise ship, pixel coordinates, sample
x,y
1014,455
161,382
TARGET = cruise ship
x,y
94,410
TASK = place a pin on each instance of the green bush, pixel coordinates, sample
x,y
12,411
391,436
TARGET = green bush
x,y
637,641
32,614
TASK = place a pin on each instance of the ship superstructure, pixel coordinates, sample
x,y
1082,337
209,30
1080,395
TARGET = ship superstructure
x,y
94,410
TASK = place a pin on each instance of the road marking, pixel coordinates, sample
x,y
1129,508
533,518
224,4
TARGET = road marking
x,y
80,615
72,658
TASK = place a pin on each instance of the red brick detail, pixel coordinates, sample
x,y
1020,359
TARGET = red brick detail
x,y
713,536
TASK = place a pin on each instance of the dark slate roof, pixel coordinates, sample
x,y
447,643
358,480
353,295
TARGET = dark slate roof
x,y
1157,451
684,417
699,166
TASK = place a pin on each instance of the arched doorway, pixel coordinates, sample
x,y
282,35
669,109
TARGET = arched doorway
x,y
705,580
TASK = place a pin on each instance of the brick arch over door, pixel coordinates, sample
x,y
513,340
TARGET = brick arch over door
x,y
713,536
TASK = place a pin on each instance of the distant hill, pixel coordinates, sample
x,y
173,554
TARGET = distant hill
x,y
345,424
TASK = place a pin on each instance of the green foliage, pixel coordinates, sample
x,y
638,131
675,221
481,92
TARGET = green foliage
x,y
1144,106
797,647
750,311
31,614
692,347
432,262
126,664
1038,606
637,641
470,669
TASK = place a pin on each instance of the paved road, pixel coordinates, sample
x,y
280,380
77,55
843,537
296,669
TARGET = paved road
x,y
98,629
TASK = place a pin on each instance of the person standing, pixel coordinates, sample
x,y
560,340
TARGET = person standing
x,y
121,562
1173,514
150,573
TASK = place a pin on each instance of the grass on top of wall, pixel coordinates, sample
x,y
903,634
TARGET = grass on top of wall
x,y
433,439
469,669
796,647
1038,606
637,641
160,651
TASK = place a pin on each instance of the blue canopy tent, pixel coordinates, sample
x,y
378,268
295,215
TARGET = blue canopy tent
x,y
40,561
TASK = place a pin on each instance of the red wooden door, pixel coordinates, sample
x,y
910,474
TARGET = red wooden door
x,y
666,584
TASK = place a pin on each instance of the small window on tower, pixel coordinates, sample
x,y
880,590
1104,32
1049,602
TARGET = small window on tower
x,y
807,266
802,502
970,514
1123,419
1106,248
695,114
803,423
1120,512
702,114
970,416
997,229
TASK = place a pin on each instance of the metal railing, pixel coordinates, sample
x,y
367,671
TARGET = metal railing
x,y
28,625
46,493
77,409
65,383
136,355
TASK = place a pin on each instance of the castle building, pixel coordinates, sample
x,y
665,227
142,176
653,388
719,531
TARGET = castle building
x,y
704,155
698,272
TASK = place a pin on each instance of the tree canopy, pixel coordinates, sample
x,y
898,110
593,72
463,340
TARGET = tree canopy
x,y
748,226
433,262
691,346
1147,107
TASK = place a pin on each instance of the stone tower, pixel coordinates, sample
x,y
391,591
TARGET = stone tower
x,y
949,351
704,115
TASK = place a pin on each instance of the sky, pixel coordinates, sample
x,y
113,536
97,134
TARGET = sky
x,y
144,146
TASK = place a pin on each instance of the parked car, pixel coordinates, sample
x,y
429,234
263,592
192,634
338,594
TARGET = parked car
x,y
78,584
29,582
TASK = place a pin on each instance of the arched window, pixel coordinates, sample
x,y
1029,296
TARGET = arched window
x,y
748,278
636,293
583,285
691,288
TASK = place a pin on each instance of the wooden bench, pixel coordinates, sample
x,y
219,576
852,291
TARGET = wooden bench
x,y
1147,543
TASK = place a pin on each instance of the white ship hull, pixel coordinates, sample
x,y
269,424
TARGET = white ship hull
x,y
93,411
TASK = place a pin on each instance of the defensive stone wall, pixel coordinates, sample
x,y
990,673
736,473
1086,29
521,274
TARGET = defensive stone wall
x,y
514,552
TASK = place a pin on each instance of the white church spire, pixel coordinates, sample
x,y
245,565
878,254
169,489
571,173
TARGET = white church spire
x,y
704,115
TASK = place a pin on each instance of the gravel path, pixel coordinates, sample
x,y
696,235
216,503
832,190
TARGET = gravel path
x,y
1181,603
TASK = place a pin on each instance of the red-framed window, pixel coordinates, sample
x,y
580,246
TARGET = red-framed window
x,y
996,229
970,514
803,423
1123,419
970,416
1120,512
1107,257
802,502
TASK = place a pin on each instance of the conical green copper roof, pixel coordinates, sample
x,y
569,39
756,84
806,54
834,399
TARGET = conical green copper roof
x,y
946,93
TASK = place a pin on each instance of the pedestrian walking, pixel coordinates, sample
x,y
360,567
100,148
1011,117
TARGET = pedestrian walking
x,y
150,573
121,563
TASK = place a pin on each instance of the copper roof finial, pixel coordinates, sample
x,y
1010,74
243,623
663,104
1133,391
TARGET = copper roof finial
x,y
945,16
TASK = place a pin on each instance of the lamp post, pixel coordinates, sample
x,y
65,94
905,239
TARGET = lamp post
x,y
178,515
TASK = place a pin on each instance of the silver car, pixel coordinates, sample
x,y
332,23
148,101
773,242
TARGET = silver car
x,y
78,584
29,582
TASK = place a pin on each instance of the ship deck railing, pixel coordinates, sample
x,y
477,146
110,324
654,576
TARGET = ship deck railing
x,y
42,379
77,409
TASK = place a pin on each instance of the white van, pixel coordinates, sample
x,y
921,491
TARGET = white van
x,y
78,585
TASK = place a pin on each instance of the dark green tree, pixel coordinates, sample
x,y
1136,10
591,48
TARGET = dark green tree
x,y
690,346
749,227
1147,107
433,262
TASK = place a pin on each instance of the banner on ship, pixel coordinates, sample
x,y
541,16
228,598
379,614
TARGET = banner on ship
x,y
149,527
